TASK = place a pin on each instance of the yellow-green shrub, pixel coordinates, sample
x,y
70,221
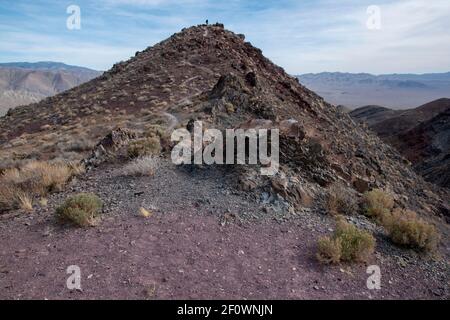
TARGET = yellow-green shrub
x,y
377,203
144,147
155,130
329,250
356,244
406,229
348,243
81,209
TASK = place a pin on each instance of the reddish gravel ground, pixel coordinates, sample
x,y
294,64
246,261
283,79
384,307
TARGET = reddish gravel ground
x,y
187,253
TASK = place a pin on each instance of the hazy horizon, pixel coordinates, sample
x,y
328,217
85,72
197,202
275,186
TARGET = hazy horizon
x,y
318,72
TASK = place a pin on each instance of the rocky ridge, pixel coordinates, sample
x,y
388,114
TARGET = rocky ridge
x,y
208,73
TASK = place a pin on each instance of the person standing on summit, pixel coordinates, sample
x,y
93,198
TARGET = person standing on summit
x,y
206,21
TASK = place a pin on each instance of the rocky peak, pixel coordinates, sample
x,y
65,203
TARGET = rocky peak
x,y
212,74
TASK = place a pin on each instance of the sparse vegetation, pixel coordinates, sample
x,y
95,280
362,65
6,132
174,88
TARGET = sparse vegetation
x,y
406,229
43,202
81,209
144,147
25,202
155,130
329,250
377,203
80,145
76,168
159,132
403,226
36,178
341,201
357,244
229,107
348,243
143,166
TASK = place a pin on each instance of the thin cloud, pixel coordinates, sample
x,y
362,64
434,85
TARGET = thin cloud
x,y
301,36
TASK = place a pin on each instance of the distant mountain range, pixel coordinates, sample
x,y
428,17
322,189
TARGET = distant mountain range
x,y
23,82
421,134
398,91
47,65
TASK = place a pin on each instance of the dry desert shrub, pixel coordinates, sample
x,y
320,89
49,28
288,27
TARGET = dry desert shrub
x,y
329,250
35,178
406,229
377,203
155,130
229,107
341,201
348,243
144,147
76,168
81,209
357,244
8,197
143,166
10,161
43,202
25,201
82,144
159,131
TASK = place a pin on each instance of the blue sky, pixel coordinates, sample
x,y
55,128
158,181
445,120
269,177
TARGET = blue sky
x,y
300,35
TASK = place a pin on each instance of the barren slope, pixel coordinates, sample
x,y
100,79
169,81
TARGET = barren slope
x,y
420,135
21,84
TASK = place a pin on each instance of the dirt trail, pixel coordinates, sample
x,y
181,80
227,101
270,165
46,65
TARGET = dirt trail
x,y
201,242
